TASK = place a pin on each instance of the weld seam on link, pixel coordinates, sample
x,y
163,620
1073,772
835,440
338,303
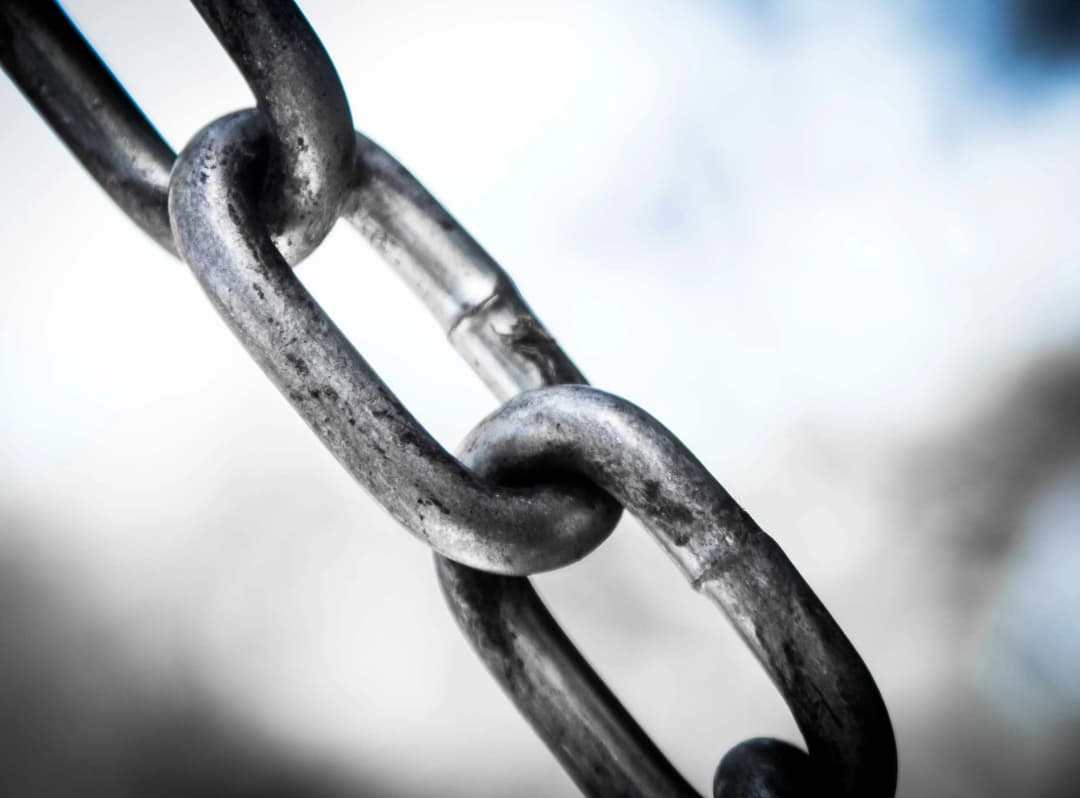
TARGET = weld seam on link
x,y
472,311
431,252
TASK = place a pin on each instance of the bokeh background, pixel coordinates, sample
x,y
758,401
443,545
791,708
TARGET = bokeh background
x,y
833,246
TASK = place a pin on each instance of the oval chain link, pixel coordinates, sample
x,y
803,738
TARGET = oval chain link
x,y
331,386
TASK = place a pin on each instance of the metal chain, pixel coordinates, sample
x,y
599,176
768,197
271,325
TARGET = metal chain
x,y
541,481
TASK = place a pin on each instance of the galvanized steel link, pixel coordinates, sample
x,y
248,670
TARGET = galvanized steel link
x,y
722,552
218,232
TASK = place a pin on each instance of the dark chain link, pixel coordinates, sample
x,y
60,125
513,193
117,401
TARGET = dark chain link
x,y
542,479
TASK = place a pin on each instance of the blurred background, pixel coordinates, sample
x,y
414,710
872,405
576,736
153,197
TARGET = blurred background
x,y
834,247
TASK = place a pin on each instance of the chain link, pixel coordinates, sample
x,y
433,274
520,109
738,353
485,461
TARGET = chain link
x,y
63,78
542,480
722,552
500,529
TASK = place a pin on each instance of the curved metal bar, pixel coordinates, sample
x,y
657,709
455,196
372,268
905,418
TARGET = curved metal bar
x,y
486,319
217,229
61,75
63,78
600,745
473,299
311,143
581,721
724,554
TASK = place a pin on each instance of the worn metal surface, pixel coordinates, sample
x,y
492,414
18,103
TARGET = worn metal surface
x,y
310,141
723,553
217,228
581,721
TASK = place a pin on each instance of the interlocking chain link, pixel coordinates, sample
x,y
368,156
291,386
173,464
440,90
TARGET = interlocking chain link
x,y
501,529
541,481
300,100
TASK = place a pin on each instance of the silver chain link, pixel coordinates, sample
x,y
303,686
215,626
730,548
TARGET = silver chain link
x,y
218,232
540,483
